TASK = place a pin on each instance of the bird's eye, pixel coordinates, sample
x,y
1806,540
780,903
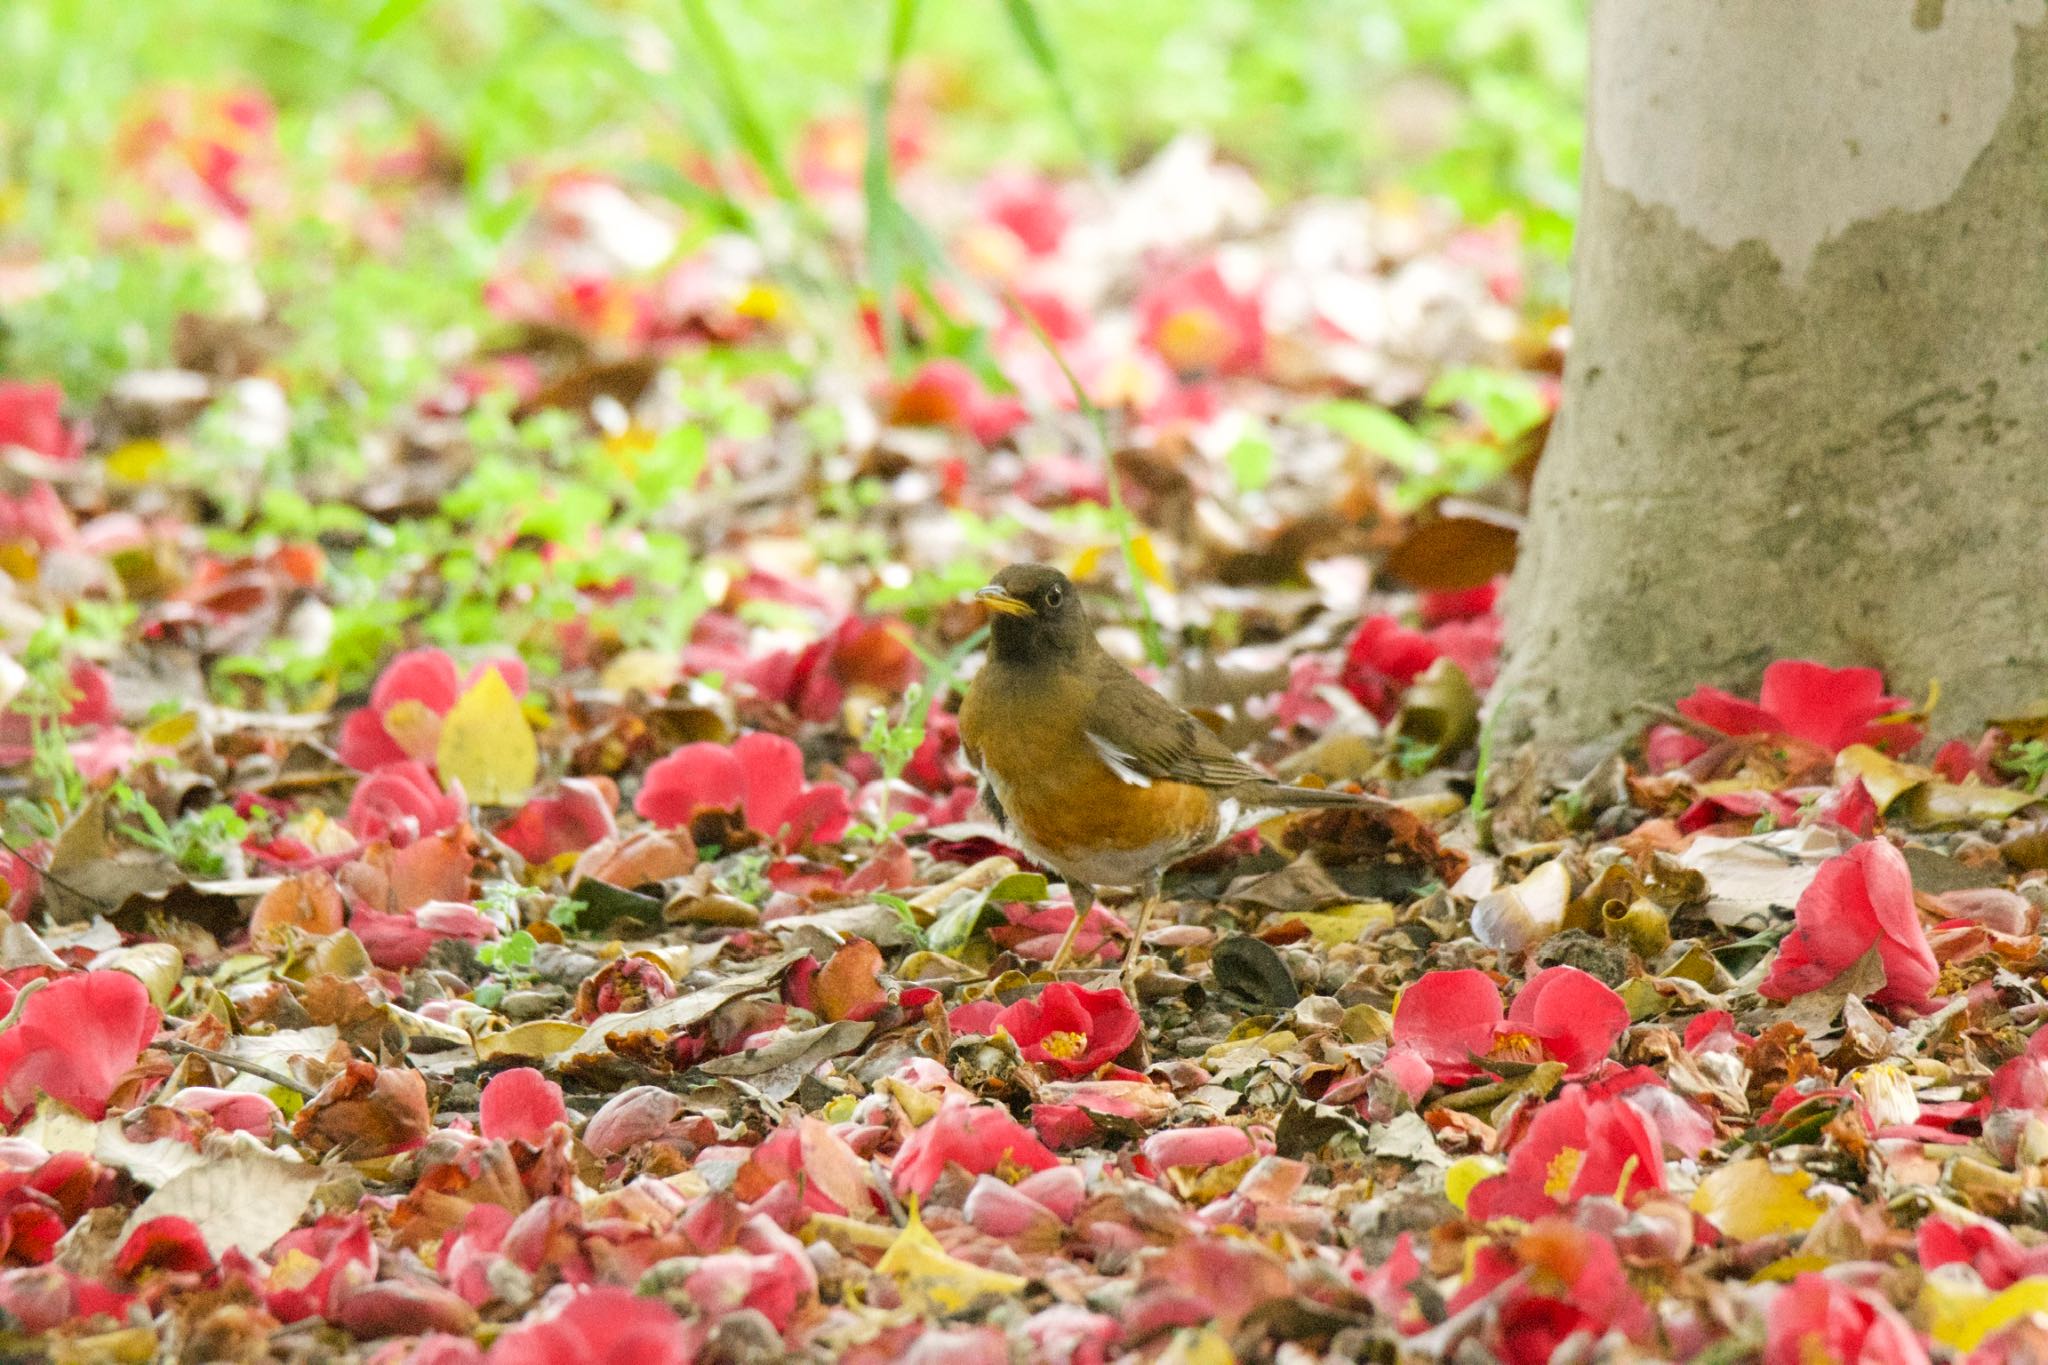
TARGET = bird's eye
x,y
1052,597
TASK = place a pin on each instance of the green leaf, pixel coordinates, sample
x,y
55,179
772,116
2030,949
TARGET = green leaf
x,y
961,922
1251,463
1507,403
1378,431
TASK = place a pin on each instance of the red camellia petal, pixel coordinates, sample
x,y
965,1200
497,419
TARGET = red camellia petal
x,y
701,776
977,1137
520,1105
602,1326
1860,900
1383,659
32,417
1728,713
316,1265
74,1040
1448,1017
1576,1016
1829,707
569,822
1070,1031
163,1244
1033,207
402,802
1817,1318
761,774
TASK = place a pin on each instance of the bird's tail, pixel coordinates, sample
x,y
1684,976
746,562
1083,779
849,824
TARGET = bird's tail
x,y
1281,796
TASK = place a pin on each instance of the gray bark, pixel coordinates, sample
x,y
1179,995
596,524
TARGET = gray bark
x,y
1806,408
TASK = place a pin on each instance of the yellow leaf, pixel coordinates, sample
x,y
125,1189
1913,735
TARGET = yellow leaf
x,y
1464,1174
1149,563
1747,1199
535,1038
646,670
1197,1346
1343,924
923,1269
137,461
1786,1269
172,731
1962,1316
1086,564
1885,778
487,746
761,302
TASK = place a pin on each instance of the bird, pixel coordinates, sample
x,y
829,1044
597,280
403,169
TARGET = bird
x,y
1089,771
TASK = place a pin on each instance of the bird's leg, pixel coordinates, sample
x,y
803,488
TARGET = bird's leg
x,y
1149,898
1084,900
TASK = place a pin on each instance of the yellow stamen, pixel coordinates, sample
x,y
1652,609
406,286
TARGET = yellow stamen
x,y
1564,1167
1064,1045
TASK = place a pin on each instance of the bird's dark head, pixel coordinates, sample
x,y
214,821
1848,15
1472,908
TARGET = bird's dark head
x,y
1035,615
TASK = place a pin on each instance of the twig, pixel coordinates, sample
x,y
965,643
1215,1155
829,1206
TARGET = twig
x,y
237,1064
1682,721
52,877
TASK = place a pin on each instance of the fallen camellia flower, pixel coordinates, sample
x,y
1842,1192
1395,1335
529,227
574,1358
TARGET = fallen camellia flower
x,y
761,775
401,802
1816,1318
979,1138
412,694
1385,657
1579,1144
1452,1017
1856,902
602,1326
1832,708
1199,324
576,818
1069,1031
312,1267
74,1040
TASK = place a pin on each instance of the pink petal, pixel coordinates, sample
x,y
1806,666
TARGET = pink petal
x,y
773,771
73,1041
1577,1016
365,745
569,822
1826,706
1449,1016
426,676
520,1105
696,777
1726,712
1208,1146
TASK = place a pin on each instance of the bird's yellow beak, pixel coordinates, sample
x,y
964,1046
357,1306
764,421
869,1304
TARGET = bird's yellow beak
x,y
995,599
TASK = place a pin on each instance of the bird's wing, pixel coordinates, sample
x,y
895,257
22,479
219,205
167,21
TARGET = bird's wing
x,y
1144,738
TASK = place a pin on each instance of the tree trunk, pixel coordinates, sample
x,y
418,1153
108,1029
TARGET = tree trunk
x,y
1806,410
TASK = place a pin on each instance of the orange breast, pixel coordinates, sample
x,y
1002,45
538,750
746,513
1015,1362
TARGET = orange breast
x,y
1068,807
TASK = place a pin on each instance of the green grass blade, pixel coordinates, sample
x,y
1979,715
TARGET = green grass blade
x,y
1037,40
1119,515
885,215
737,107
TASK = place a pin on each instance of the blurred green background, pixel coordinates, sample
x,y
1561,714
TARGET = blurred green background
x,y
1475,100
